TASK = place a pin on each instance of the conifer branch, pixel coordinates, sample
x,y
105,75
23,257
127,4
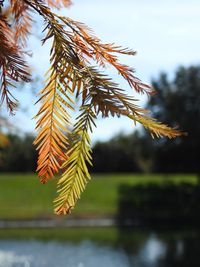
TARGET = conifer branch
x,y
53,118
156,128
76,175
51,140
12,65
22,21
58,3
74,50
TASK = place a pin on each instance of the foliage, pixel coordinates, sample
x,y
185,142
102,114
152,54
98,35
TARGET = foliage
x,y
131,154
18,155
4,140
138,151
178,102
71,75
116,155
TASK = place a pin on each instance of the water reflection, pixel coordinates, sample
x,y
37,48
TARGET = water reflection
x,y
152,251
134,248
174,248
54,254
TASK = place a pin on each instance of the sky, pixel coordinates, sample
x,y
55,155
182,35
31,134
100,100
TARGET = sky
x,y
165,35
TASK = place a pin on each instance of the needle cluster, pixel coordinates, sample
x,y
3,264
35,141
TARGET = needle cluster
x,y
76,57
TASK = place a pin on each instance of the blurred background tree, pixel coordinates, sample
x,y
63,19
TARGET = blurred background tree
x,y
19,155
4,140
178,102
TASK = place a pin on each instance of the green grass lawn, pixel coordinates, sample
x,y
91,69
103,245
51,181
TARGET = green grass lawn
x,y
22,195
100,235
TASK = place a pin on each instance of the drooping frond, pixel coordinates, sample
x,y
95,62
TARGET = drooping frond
x,y
105,96
53,119
88,45
108,98
12,66
58,3
76,175
22,21
72,76
156,128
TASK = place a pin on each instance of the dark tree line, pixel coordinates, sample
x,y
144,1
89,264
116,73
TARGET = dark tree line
x,y
18,155
177,103
123,153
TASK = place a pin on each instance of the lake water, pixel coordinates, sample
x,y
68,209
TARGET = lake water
x,y
146,250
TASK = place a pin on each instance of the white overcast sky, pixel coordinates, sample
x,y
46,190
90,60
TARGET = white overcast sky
x,y
165,34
